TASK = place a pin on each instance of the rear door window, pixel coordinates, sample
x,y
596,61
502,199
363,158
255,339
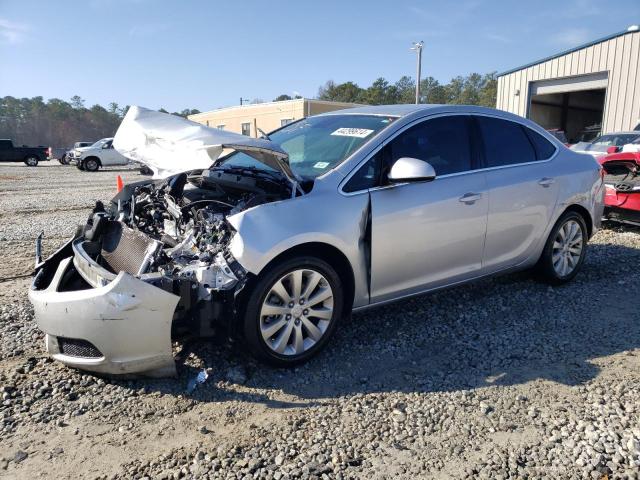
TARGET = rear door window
x,y
505,142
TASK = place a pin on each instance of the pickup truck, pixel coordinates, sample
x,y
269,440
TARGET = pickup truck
x,y
29,155
100,154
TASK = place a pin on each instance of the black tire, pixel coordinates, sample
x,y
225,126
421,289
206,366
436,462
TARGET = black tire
x,y
31,161
80,165
91,164
255,343
545,266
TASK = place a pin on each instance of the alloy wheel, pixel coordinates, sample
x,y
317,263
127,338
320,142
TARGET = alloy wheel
x,y
296,312
567,248
32,161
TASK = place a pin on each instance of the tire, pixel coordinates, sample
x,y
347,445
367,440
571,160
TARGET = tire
x,y
31,161
91,164
294,340
560,262
80,165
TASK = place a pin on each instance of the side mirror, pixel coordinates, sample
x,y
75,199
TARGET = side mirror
x,y
407,169
105,146
613,149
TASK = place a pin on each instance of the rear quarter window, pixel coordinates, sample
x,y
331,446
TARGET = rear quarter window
x,y
543,147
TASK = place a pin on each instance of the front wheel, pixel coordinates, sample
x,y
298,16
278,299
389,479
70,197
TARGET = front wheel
x,y
564,252
91,165
293,310
31,161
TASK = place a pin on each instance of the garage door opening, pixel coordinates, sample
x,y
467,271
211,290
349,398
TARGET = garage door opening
x,y
577,114
573,105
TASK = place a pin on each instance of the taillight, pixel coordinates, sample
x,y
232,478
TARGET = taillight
x,y
49,151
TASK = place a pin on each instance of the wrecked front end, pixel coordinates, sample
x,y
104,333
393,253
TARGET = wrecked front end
x,y
150,268
622,187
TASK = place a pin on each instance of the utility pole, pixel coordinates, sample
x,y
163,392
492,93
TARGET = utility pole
x,y
243,100
418,49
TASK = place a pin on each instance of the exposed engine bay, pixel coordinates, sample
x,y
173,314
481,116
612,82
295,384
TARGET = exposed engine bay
x,y
174,234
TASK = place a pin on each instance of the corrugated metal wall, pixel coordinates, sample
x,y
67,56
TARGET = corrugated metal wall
x,y
619,56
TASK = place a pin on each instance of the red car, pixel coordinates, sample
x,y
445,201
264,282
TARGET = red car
x,y
622,186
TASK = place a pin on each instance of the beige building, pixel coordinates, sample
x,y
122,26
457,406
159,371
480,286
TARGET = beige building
x,y
583,91
246,119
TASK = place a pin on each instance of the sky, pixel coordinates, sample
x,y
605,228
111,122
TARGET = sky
x,y
208,54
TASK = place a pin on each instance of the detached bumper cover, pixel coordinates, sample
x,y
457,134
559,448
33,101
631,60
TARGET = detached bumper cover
x,y
123,327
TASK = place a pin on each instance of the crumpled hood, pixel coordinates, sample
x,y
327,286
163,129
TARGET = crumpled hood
x,y
169,144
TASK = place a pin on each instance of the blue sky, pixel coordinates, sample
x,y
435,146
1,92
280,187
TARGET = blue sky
x,y
206,54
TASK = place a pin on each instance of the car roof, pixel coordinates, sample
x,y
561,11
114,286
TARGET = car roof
x,y
410,110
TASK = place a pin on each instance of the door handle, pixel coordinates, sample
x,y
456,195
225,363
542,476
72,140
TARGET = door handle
x,y
470,198
546,181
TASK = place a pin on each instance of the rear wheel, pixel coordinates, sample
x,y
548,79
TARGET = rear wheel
x,y
91,164
564,252
31,161
293,311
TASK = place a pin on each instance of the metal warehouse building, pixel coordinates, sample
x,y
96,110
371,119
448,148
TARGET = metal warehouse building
x,y
584,91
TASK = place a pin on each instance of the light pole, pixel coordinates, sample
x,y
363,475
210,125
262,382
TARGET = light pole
x,y
418,49
243,100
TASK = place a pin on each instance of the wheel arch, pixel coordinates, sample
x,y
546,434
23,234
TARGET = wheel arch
x,y
584,213
330,254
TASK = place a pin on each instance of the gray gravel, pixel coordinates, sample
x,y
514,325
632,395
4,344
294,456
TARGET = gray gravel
x,y
504,378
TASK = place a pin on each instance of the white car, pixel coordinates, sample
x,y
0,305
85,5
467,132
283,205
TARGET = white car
x,y
100,154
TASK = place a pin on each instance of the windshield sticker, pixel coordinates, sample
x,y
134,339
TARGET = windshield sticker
x,y
353,132
321,165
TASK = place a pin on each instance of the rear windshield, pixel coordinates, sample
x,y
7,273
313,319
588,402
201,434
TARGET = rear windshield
x,y
317,144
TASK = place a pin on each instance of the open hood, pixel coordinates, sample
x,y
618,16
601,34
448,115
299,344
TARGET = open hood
x,y
169,144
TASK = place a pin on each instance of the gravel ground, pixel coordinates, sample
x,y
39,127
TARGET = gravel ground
x,y
504,378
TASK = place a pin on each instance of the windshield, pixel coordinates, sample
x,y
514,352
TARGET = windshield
x,y
616,140
317,144
99,143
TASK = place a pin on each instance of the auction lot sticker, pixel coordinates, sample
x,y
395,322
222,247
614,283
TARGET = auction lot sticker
x,y
353,132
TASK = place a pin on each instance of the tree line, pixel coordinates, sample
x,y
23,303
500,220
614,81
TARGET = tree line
x,y
60,123
474,89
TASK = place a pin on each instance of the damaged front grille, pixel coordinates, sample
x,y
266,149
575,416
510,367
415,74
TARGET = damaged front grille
x,y
78,348
127,250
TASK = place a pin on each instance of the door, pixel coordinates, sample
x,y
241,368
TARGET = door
x,y
428,234
522,190
6,151
109,155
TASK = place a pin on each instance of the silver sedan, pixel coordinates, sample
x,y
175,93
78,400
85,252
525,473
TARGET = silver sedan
x,y
279,240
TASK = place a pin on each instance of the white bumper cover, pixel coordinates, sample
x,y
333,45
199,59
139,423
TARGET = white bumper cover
x,y
127,320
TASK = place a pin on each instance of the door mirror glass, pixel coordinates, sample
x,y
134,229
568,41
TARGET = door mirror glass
x,y
407,169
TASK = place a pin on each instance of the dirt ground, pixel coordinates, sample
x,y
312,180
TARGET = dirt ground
x,y
503,378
